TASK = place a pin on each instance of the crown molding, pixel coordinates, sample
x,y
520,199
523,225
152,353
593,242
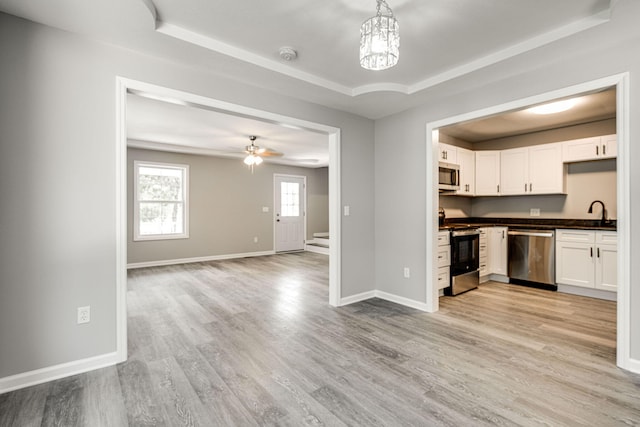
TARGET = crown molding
x,y
214,45
246,56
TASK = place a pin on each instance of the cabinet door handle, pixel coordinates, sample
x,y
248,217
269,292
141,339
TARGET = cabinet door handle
x,y
598,252
502,234
530,187
604,150
591,252
525,187
498,188
597,148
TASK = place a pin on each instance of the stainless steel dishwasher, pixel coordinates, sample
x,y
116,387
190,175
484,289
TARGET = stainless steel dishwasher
x,y
532,256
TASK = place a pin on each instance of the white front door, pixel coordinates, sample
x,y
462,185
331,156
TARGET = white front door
x,y
289,212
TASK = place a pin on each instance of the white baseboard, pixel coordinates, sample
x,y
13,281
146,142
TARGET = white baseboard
x,y
385,296
357,298
196,259
633,365
51,373
316,249
402,300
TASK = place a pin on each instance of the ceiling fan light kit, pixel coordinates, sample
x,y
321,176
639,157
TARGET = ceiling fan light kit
x,y
380,40
252,159
255,153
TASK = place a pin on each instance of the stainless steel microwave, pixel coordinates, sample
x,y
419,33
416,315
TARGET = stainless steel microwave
x,y
448,177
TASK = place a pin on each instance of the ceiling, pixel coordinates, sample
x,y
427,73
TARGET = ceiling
x,y
440,39
588,108
240,40
177,127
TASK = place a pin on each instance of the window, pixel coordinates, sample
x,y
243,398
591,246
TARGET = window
x,y
160,201
289,199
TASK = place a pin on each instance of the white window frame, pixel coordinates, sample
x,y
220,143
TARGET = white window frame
x,y
137,164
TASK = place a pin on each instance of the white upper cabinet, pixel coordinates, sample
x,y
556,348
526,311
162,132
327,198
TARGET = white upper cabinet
x,y
514,171
487,173
609,146
546,171
467,161
447,153
594,148
532,170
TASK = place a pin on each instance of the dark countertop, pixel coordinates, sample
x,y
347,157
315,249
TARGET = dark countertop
x,y
544,224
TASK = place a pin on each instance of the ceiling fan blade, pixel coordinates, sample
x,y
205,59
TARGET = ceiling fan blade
x,y
268,153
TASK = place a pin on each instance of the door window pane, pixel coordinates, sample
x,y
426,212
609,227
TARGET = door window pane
x,y
289,199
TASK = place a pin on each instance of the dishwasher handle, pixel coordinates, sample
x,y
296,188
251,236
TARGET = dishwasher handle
x,y
530,233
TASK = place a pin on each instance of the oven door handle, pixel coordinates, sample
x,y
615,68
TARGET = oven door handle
x,y
465,232
530,233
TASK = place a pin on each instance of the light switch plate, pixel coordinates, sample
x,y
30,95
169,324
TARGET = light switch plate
x,y
265,209
347,211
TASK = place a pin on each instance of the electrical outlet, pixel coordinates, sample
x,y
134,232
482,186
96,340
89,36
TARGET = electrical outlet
x,y
265,209
84,314
255,239
534,212
347,210
407,272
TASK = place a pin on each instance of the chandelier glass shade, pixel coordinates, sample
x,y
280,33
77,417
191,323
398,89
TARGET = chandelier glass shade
x,y
380,40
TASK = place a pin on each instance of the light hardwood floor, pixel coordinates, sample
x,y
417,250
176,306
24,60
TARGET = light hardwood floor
x,y
254,342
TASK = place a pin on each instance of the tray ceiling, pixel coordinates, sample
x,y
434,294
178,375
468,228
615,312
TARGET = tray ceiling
x,y
440,39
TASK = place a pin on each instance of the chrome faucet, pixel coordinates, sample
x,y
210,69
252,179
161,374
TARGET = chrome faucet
x,y
603,220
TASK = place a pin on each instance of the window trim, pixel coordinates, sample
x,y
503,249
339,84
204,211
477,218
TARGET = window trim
x,y
137,237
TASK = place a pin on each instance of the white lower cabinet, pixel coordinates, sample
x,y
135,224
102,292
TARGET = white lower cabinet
x,y
484,251
444,259
493,251
498,253
587,259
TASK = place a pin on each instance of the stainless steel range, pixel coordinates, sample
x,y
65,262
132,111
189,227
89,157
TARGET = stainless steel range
x,y
465,259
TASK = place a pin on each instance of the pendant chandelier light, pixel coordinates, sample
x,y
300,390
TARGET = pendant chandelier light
x,y
380,40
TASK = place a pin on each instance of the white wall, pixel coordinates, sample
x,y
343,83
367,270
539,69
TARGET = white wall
x,y
58,186
225,207
400,197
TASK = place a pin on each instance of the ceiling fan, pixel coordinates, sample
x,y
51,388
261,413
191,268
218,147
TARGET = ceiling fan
x,y
256,153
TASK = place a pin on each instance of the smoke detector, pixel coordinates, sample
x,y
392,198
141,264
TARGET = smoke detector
x,y
288,53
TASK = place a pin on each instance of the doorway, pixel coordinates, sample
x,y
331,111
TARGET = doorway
x,y
290,195
126,86
621,83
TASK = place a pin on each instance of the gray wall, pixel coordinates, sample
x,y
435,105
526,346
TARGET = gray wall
x,y
585,181
400,196
225,207
57,160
